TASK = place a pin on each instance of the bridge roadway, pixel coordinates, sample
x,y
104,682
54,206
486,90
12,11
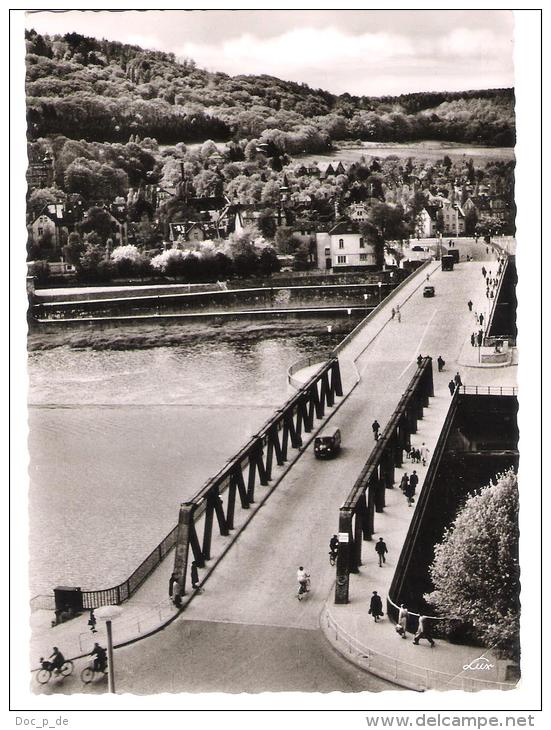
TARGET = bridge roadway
x,y
247,631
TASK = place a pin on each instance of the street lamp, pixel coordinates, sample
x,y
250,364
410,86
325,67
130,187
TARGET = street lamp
x,y
380,284
365,300
329,329
107,614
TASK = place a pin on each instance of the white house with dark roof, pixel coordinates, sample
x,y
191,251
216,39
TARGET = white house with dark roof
x,y
344,246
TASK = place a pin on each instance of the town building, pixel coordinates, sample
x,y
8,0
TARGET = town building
x,y
345,247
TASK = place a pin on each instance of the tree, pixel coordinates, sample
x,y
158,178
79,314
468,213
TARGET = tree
x,y
41,197
99,221
268,261
374,238
471,219
475,571
74,249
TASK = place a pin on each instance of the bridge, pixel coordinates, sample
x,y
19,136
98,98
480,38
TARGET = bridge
x,y
289,502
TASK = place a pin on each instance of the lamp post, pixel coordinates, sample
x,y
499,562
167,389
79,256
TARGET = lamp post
x,y
380,285
329,329
365,300
107,614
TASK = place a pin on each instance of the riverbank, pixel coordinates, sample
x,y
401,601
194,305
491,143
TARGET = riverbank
x,y
157,334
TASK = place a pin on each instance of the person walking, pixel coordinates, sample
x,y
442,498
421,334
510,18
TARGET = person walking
x,y
484,271
481,319
480,337
414,481
473,339
375,426
401,626
194,576
470,305
424,454
451,386
423,631
404,482
376,606
392,313
419,360
92,622
409,492
476,316
171,584
398,315
441,362
457,380
381,549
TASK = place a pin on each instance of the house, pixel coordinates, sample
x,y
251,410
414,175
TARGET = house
x,y
358,212
40,174
344,247
426,223
119,220
189,231
50,228
453,220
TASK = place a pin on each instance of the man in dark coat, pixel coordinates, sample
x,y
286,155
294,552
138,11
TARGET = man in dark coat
x,y
441,362
375,426
451,386
171,584
409,491
414,481
381,549
457,380
194,575
376,606
480,337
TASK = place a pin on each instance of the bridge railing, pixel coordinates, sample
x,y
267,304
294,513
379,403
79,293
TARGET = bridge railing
x,y
396,291
357,514
235,484
398,671
239,477
488,390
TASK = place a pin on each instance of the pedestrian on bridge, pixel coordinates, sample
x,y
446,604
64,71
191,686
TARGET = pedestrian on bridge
x,y
194,576
441,362
409,491
457,380
404,482
401,626
481,319
393,313
398,315
414,481
470,305
423,631
376,606
376,428
473,339
451,386
171,584
484,271
381,549
480,337
419,360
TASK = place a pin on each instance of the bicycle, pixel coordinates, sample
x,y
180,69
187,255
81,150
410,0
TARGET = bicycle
x,y
303,588
47,669
90,672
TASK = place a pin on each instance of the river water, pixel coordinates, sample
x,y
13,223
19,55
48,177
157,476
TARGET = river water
x,y
118,438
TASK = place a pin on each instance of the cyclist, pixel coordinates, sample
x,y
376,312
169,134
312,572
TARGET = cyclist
x,y
58,660
302,578
100,661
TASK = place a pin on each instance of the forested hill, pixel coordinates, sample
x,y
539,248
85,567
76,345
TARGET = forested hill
x,y
101,90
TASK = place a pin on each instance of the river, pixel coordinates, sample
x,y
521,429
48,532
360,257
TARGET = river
x,y
119,437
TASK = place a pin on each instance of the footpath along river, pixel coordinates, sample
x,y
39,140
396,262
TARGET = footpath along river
x,y
119,437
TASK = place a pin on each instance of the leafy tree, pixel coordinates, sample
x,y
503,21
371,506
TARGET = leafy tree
x,y
74,249
471,219
99,221
374,238
268,262
475,571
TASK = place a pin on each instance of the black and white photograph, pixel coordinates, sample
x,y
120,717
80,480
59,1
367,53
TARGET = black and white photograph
x,y
271,325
